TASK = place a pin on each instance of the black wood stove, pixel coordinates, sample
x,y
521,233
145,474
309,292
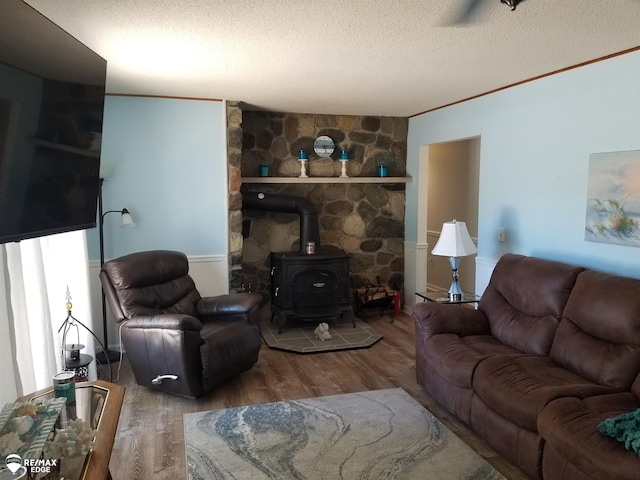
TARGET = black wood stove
x,y
310,287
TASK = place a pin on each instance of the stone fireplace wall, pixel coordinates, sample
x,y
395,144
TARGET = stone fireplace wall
x,y
234,151
365,220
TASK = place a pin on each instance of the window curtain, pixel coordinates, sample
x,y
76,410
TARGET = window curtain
x,y
34,279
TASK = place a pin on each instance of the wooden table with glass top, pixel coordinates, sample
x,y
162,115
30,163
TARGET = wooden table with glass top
x,y
443,297
98,404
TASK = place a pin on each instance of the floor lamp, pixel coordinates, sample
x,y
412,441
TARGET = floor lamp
x,y
108,356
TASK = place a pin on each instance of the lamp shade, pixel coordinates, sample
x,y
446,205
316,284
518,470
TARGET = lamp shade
x,y
126,220
454,241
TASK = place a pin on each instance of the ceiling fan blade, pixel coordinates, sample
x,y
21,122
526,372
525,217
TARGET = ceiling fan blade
x,y
467,13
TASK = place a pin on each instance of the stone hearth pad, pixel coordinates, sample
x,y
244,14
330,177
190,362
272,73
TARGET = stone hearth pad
x,y
297,335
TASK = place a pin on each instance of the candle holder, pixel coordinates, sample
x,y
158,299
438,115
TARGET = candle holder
x,y
303,168
302,156
71,358
344,158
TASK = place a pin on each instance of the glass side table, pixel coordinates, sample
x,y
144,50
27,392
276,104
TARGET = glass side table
x,y
443,297
98,404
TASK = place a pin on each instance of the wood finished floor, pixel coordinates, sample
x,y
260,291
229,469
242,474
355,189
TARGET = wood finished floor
x,y
150,439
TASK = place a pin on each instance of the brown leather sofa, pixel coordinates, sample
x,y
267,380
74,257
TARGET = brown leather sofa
x,y
177,341
551,351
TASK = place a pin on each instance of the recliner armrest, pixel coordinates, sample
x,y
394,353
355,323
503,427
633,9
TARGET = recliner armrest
x,y
231,304
434,318
167,321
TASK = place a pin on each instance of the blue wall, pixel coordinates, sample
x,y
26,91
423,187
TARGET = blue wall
x,y
536,139
167,164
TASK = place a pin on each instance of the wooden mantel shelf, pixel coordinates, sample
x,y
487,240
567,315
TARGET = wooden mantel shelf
x,y
326,180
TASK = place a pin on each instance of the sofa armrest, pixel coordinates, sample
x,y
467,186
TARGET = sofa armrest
x,y
434,318
230,304
166,321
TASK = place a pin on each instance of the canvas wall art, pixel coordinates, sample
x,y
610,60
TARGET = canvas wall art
x,y
613,198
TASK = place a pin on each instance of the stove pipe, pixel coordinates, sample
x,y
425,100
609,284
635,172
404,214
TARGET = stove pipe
x,y
273,202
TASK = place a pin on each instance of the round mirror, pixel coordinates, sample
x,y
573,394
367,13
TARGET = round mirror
x,y
323,146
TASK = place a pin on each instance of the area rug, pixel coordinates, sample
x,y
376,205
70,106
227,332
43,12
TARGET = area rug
x,y
298,336
380,434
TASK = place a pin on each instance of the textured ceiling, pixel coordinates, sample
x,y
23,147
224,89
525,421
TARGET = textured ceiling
x,y
376,57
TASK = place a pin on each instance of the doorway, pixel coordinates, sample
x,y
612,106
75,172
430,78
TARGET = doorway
x,y
453,190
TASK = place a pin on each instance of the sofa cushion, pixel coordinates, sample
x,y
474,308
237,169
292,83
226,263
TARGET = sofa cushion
x,y
525,299
455,358
599,334
519,387
569,427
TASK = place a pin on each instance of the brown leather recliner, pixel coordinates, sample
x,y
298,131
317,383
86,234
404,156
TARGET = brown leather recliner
x,y
177,341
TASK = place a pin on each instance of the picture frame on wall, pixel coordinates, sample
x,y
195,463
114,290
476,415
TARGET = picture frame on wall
x,y
613,198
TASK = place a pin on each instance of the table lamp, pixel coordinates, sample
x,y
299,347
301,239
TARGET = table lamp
x,y
454,242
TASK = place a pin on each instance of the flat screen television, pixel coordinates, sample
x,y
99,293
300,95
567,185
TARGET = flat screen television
x,y
51,104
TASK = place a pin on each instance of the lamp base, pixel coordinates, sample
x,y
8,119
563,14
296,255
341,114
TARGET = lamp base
x,y
110,356
455,292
